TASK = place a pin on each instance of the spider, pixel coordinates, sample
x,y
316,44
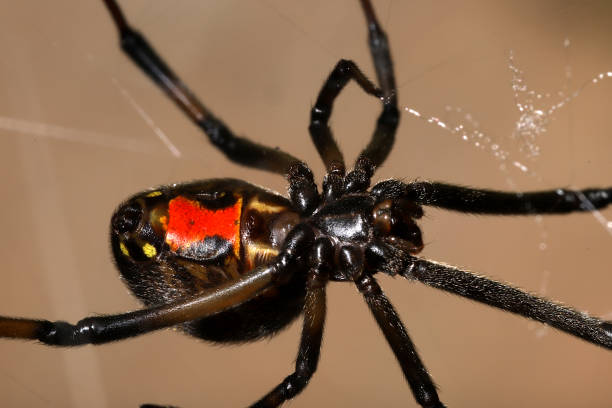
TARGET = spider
x,y
346,234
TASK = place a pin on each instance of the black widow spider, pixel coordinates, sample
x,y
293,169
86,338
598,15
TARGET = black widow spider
x,y
385,240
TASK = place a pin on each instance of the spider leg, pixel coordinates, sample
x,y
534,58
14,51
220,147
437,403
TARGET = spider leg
x,y
308,354
384,135
238,149
104,329
381,143
312,332
477,201
511,299
320,132
422,385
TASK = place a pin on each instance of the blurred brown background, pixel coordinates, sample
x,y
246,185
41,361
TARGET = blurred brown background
x,y
74,145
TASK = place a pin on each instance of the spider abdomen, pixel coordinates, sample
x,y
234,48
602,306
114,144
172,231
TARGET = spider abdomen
x,y
177,241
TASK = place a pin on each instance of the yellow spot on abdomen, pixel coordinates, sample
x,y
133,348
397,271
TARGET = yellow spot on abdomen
x,y
124,249
257,205
154,194
149,250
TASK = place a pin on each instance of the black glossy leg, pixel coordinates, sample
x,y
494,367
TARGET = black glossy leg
x,y
422,385
319,129
384,135
381,143
511,299
237,149
312,334
104,329
475,201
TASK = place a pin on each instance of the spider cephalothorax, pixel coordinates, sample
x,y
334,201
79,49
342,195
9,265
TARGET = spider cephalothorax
x,y
228,261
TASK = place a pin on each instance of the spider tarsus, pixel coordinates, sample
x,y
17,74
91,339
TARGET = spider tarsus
x,y
116,14
368,10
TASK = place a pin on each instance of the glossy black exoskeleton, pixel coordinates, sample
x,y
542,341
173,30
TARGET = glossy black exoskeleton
x,y
228,261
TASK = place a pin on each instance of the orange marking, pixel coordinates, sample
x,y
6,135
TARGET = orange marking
x,y
164,221
190,222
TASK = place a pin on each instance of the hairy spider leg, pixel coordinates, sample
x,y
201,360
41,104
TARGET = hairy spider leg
x,y
488,291
511,299
480,201
390,324
492,202
312,330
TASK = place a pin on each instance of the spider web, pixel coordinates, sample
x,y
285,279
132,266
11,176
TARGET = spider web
x,y
534,111
95,148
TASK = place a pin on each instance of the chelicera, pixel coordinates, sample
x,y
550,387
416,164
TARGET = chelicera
x,y
228,261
